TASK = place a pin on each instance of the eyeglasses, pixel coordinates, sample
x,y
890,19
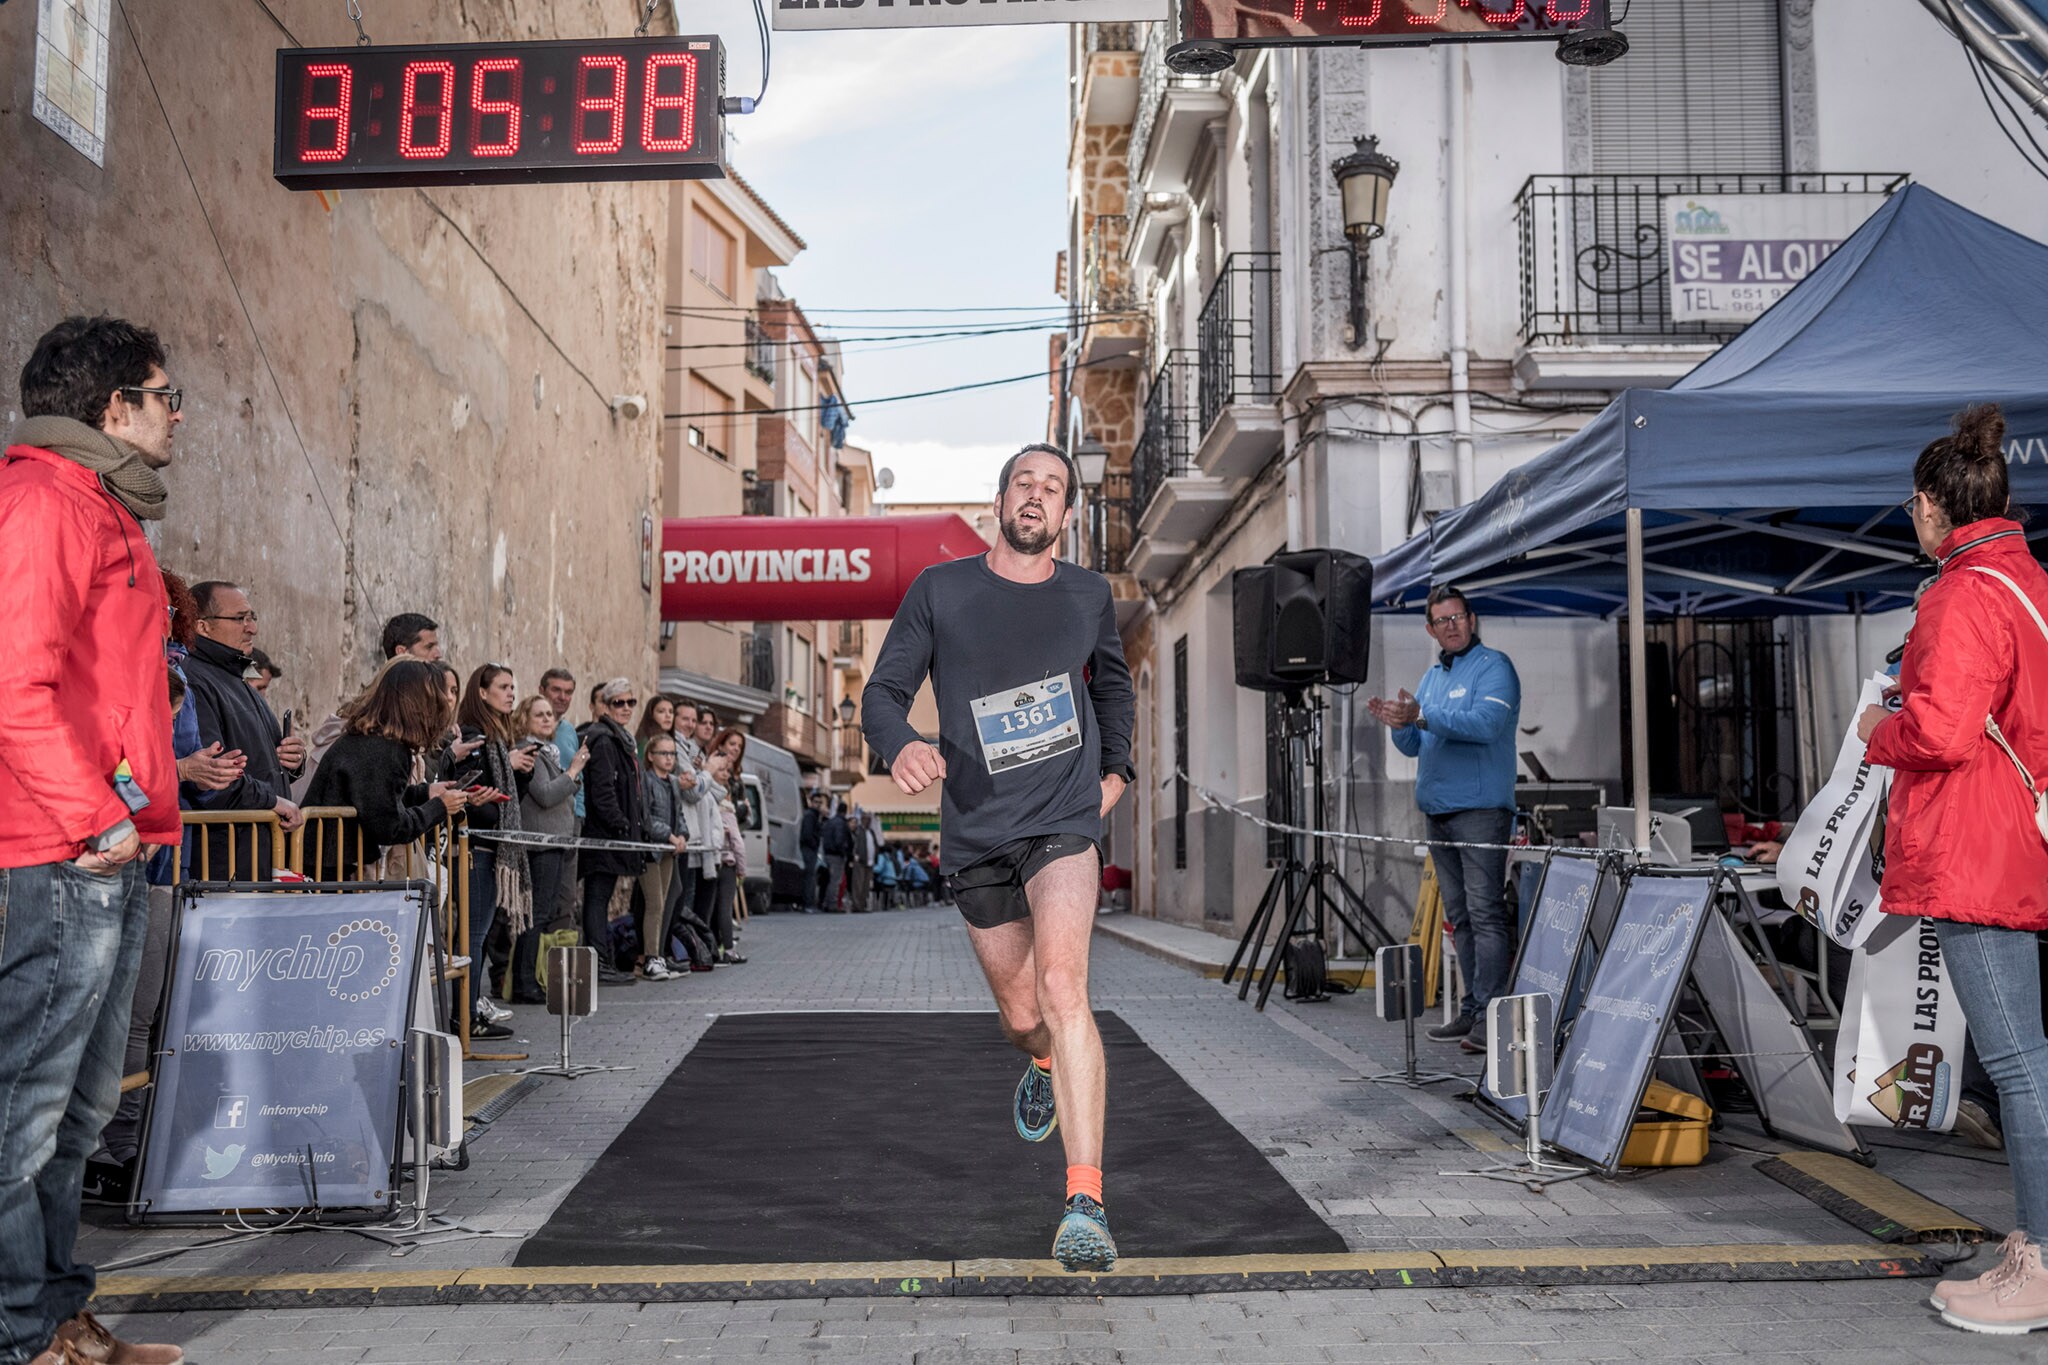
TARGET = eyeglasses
x,y
1908,505
247,618
661,753
1450,620
623,701
173,398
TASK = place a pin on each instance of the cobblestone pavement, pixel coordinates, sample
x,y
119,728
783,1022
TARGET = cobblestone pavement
x,y
1366,1156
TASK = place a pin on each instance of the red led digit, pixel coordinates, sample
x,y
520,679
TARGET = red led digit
x,y
481,107
612,106
1512,16
1429,21
412,111
1353,19
335,113
1564,13
685,103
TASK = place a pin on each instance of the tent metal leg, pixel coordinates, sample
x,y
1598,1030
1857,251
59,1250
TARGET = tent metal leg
x,y
1638,684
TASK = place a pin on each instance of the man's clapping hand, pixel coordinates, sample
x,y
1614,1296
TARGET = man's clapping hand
x,y
210,769
1400,712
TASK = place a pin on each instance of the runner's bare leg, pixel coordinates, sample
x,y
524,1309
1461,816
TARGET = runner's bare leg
x,y
1005,956
1063,896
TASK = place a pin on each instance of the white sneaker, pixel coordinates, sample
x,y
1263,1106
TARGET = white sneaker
x,y
492,1010
455,962
654,969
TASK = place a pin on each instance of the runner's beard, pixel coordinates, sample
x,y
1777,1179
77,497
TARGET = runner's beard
x,y
1026,541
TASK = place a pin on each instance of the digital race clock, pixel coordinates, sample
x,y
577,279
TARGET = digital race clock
x,y
1389,22
499,113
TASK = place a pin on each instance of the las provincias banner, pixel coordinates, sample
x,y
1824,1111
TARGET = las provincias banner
x,y
802,568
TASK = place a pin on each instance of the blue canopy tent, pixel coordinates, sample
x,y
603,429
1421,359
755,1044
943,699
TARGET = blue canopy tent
x,y
1768,480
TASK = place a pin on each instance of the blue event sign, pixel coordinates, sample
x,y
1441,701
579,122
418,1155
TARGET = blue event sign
x,y
282,1052
1554,945
1614,1040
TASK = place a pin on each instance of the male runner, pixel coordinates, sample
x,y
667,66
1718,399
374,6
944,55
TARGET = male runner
x,y
1035,712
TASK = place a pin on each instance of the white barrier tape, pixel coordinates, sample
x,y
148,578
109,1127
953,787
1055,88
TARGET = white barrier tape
x,y
1423,841
538,840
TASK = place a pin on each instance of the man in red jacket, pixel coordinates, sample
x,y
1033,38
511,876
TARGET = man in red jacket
x,y
87,783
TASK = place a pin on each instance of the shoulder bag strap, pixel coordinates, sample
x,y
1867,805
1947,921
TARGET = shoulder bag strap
x,y
1990,725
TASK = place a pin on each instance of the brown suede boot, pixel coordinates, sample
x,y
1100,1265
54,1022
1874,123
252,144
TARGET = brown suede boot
x,y
87,1340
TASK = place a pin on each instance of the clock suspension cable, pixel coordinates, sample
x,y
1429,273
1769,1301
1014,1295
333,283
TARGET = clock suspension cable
x,y
355,13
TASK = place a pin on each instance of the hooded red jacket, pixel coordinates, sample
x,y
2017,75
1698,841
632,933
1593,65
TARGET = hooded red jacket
x,y
1960,842
83,667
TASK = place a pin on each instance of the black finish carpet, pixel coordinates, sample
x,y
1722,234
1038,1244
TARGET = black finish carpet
x,y
872,1136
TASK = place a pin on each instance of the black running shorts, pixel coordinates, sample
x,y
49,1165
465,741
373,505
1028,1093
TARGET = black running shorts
x,y
991,892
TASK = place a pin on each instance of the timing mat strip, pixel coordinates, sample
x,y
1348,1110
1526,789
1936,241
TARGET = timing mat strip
x,y
1875,1205
1490,1267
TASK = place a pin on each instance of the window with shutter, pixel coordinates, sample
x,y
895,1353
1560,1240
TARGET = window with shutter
x,y
1700,91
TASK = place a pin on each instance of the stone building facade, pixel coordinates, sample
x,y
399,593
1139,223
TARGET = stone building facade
x,y
397,399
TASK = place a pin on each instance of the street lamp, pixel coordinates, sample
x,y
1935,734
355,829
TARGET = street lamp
x,y
1091,459
846,711
1363,181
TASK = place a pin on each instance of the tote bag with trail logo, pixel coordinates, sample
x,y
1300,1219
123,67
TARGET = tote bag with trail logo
x,y
1828,870
1899,1060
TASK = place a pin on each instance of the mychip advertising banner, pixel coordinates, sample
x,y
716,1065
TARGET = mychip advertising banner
x,y
1642,967
1553,949
282,1052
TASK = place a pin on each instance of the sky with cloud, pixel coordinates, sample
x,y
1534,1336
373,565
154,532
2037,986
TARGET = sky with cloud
x,y
924,168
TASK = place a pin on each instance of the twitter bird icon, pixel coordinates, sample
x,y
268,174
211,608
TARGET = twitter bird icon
x,y
221,1165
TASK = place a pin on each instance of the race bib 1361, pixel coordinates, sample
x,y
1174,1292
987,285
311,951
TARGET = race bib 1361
x,y
1028,724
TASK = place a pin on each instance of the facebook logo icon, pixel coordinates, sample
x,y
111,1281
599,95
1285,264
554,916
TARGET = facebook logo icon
x,y
231,1111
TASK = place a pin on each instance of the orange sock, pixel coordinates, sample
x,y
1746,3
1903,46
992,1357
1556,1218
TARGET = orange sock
x,y
1085,1180
1043,1064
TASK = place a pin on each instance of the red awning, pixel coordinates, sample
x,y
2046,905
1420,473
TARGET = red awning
x,y
802,568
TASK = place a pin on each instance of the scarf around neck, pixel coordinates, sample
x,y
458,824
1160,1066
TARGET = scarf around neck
x,y
120,466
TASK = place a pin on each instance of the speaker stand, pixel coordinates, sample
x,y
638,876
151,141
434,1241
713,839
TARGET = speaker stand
x,y
1304,886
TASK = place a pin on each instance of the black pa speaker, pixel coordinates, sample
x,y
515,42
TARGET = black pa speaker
x,y
1300,619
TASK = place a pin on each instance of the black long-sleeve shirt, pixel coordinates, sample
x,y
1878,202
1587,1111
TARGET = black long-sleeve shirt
x,y
1035,700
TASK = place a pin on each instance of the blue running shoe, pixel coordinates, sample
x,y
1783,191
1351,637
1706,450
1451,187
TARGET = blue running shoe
x,y
1083,1241
1036,1118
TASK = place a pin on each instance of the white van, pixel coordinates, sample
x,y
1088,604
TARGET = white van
x,y
773,785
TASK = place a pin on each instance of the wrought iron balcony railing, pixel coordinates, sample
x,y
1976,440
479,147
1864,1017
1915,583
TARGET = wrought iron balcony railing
x,y
1166,443
1110,37
1593,253
1235,334
758,499
757,664
1110,287
1154,80
850,640
1111,520
760,352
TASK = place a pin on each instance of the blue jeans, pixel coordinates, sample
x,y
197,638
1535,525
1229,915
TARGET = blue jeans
x,y
1997,976
70,943
1474,884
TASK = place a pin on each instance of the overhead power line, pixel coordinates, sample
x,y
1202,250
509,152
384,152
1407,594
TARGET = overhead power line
x,y
729,415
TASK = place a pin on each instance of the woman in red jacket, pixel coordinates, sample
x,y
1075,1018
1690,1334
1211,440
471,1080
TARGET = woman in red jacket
x,y
1961,848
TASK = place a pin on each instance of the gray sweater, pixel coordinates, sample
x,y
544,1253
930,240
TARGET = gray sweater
x,y
1035,701
544,806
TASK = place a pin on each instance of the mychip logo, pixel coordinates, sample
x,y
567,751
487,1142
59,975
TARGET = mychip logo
x,y
358,961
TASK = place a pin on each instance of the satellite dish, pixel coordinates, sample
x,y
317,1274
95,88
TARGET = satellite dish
x,y
885,478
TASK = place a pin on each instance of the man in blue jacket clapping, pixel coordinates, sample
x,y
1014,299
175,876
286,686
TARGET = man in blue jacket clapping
x,y
1459,724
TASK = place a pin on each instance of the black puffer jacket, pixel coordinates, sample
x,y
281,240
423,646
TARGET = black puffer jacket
x,y
611,800
374,775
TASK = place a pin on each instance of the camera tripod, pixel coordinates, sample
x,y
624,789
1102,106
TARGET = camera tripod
x,y
1303,887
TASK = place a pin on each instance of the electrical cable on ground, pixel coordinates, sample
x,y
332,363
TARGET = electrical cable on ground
x,y
248,317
